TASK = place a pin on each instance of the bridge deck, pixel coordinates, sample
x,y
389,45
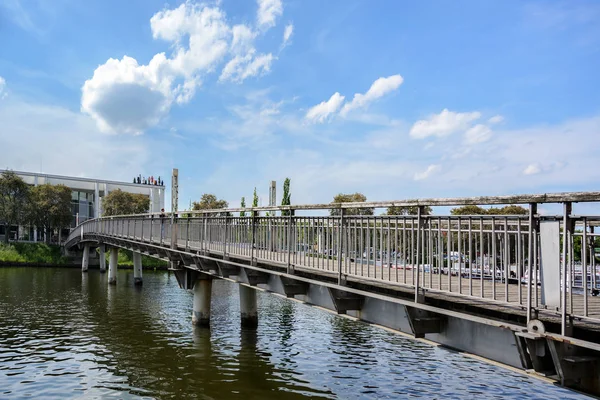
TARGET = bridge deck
x,y
499,295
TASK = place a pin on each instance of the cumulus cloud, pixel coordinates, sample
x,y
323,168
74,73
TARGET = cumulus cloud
x,y
478,134
3,93
425,174
36,135
287,35
124,96
443,124
323,110
379,88
496,119
268,11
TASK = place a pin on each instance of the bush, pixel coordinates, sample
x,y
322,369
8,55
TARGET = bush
x,y
32,253
8,253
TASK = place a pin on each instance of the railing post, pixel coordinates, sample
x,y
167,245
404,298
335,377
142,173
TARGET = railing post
x,y
567,208
253,253
225,237
418,255
187,233
204,234
174,231
290,242
151,227
530,257
340,247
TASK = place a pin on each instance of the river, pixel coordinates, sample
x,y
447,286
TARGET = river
x,y
64,334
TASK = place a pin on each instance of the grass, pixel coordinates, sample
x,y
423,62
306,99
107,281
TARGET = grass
x,y
31,253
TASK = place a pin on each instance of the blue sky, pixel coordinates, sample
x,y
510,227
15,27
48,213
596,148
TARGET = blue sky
x,y
393,99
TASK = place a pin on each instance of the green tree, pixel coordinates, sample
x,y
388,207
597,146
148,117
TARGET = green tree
x,y
50,208
351,198
119,202
513,210
243,205
476,210
255,204
14,197
468,210
287,197
209,202
407,210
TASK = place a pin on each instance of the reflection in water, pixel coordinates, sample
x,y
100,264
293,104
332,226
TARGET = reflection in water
x,y
68,335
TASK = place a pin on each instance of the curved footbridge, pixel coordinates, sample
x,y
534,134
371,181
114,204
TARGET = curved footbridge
x,y
489,285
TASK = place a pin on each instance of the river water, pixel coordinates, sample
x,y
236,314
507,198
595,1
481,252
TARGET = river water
x,y
64,334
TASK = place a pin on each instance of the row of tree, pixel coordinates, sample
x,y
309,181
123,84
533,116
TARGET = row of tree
x,y
48,207
413,210
45,206
210,202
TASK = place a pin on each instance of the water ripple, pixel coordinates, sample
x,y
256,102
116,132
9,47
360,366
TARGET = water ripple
x,y
64,335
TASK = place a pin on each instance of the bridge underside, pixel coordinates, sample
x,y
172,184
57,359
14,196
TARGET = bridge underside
x,y
479,326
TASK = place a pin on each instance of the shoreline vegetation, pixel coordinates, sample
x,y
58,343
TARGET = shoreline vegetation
x,y
45,255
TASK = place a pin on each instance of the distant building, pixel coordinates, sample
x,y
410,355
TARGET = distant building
x,y
86,197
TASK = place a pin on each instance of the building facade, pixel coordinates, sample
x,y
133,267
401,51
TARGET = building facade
x,y
87,195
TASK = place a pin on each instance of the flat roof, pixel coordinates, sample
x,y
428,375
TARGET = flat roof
x,y
74,178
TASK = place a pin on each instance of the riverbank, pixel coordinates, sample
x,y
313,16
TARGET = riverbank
x,y
45,255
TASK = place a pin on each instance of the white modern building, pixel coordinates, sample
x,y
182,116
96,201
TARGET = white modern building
x,y
87,194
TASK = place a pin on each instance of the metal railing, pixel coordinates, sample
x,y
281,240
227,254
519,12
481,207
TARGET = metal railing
x,y
487,258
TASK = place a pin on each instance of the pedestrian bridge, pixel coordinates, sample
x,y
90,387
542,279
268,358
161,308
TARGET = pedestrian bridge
x,y
517,289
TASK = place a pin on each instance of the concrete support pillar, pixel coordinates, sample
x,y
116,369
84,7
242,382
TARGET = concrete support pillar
x,y
112,266
248,307
201,309
102,258
137,268
85,260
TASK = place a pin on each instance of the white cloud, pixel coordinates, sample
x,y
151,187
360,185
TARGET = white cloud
x,y
3,93
443,124
38,137
478,134
321,111
287,35
425,174
268,11
124,96
532,169
241,67
243,38
496,119
379,88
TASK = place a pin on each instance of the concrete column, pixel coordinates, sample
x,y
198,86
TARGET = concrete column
x,y
35,234
201,309
137,268
112,266
102,258
248,307
85,260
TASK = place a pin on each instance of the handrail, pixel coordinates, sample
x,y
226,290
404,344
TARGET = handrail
x,y
561,197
